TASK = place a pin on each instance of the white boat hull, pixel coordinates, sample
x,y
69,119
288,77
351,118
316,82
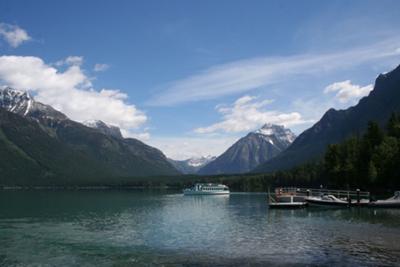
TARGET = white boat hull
x,y
393,202
192,192
316,202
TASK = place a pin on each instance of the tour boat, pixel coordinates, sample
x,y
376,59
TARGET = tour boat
x,y
207,189
327,200
286,198
393,202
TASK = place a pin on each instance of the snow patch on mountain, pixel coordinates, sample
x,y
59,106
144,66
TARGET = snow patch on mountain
x,y
191,165
17,101
278,131
199,161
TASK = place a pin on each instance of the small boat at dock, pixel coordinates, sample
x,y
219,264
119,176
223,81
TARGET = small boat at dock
x,y
393,202
327,200
286,198
207,189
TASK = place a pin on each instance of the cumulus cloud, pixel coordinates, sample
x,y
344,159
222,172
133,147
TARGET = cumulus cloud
x,y
346,91
248,113
100,67
13,34
245,75
70,91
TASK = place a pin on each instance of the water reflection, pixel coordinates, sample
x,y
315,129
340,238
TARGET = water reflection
x,y
134,228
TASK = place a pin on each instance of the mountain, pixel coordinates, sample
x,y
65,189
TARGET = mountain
x,y
41,146
104,128
337,125
22,103
250,151
192,165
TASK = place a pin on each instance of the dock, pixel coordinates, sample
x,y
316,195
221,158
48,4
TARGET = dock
x,y
293,196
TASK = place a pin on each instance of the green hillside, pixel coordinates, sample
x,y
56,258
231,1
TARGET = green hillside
x,y
68,153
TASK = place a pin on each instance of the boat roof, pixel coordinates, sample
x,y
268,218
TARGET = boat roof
x,y
209,184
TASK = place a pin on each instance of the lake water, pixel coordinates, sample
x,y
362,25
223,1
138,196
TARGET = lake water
x,y
133,228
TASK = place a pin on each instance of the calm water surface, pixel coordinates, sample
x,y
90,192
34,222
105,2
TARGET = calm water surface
x,y
132,228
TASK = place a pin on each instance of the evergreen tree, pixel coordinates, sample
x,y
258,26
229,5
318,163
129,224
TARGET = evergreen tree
x,y
372,172
393,126
332,163
374,134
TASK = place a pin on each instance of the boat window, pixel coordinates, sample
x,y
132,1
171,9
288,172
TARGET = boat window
x,y
285,199
298,199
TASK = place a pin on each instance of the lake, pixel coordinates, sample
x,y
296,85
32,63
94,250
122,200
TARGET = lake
x,y
141,228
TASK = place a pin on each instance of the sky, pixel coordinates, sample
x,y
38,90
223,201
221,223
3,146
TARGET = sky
x,y
192,77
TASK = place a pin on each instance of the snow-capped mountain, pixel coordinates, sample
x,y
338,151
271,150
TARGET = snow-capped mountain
x,y
192,165
255,148
276,134
22,103
104,128
55,150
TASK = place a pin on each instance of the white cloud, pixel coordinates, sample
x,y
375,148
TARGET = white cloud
x,y
181,148
144,136
70,61
13,34
248,113
346,91
244,75
100,67
70,91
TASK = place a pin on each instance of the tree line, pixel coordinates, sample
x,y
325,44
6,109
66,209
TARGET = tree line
x,y
370,161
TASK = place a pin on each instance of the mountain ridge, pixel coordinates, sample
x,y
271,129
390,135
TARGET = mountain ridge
x,y
337,125
26,130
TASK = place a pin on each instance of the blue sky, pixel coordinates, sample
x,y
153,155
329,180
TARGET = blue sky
x,y
191,77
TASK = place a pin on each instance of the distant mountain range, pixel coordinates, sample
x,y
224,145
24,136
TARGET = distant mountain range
x,y
192,165
250,151
41,146
337,125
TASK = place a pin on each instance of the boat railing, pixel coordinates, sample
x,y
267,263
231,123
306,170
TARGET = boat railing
x,y
337,193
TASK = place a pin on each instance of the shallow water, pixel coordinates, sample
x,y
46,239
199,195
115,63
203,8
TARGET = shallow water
x,y
133,228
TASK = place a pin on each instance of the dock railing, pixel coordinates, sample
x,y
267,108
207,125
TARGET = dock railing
x,y
301,191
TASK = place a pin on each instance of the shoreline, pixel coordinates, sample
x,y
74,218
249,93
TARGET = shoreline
x,y
110,188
